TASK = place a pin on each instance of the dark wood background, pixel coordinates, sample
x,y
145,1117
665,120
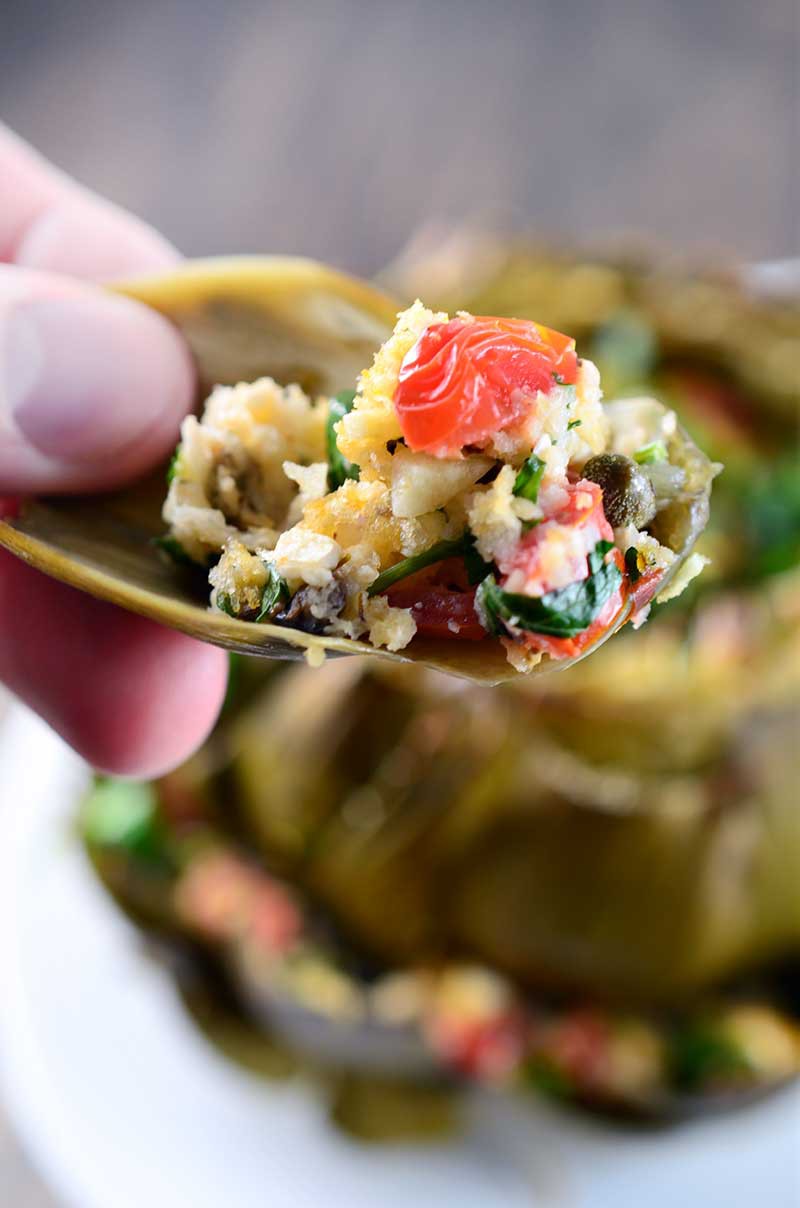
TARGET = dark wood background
x,y
336,127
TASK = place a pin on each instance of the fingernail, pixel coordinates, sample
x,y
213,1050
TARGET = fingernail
x,y
86,376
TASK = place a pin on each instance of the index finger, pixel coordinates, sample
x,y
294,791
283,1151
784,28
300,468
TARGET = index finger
x,y
48,221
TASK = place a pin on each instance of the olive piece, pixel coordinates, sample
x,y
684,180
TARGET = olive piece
x,y
628,496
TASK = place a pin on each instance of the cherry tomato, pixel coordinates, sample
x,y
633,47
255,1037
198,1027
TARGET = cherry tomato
x,y
441,602
465,380
555,553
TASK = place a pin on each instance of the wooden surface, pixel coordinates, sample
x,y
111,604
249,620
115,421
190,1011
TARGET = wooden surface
x,y
336,127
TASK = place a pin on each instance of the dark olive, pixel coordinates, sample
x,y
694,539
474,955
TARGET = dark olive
x,y
628,497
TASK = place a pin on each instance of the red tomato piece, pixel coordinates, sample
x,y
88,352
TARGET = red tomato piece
x,y
570,648
544,550
441,612
465,380
643,590
441,602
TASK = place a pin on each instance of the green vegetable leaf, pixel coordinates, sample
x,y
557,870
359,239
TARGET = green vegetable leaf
x,y
225,604
527,482
701,1055
122,815
771,514
574,423
648,454
339,468
276,594
563,613
477,569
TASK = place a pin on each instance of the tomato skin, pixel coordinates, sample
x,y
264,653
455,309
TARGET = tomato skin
x,y
643,590
465,380
440,597
548,546
442,613
570,648
443,603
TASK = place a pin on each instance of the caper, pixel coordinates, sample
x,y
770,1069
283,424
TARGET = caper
x,y
628,496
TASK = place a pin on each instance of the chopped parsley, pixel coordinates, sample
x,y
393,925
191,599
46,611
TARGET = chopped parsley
x,y
276,594
274,597
339,468
225,604
526,485
574,423
564,613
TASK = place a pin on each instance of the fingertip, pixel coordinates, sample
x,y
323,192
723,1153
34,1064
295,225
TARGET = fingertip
x,y
93,385
133,698
168,690
83,236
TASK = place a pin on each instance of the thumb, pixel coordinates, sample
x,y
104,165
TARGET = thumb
x,y
93,387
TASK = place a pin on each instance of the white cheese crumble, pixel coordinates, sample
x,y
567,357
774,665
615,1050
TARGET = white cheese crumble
x,y
303,555
390,627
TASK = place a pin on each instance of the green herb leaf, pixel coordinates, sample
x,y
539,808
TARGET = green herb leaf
x,y
225,604
122,815
339,468
562,614
526,485
574,423
477,569
276,594
649,454
701,1055
632,564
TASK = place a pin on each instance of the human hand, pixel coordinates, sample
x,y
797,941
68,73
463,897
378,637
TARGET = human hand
x,y
93,388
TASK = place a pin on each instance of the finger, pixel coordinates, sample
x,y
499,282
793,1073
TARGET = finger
x,y
47,221
93,386
134,699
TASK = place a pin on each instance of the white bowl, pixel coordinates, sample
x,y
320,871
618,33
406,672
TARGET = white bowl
x,y
123,1104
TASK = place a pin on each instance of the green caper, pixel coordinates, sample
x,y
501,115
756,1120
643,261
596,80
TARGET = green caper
x,y
628,497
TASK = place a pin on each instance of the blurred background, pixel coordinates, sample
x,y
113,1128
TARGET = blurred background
x,y
341,128
336,128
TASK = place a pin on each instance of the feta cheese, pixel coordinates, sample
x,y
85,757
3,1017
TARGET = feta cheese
x,y
390,627
301,554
